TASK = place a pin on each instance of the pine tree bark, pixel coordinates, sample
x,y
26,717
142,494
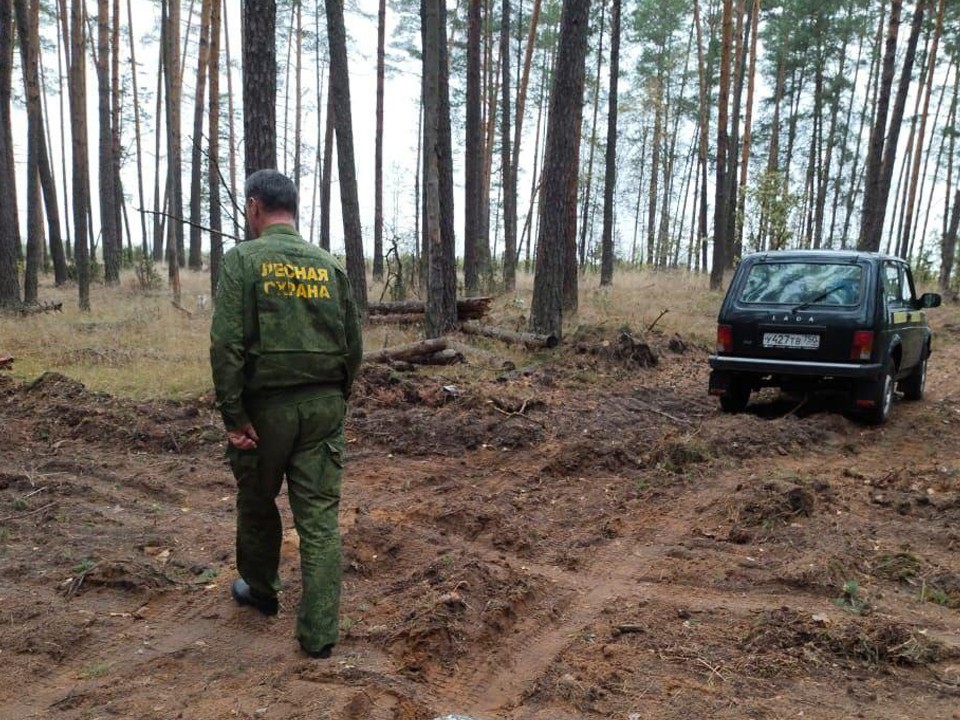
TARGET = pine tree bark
x,y
213,148
474,153
949,248
610,176
441,307
28,23
235,211
327,179
109,228
170,10
560,169
909,222
136,125
259,50
346,165
506,168
720,226
870,225
81,173
378,150
196,156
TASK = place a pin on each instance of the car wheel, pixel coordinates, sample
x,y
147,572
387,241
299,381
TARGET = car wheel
x,y
736,397
914,383
882,395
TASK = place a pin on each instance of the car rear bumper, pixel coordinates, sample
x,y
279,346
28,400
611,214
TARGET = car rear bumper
x,y
766,366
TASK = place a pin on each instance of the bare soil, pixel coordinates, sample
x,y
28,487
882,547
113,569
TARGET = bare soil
x,y
581,538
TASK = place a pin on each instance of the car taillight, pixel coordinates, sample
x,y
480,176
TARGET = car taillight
x,y
862,347
724,338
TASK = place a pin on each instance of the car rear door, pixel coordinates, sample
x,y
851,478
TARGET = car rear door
x,y
903,319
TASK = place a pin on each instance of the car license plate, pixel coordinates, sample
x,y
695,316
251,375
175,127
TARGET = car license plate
x,y
791,340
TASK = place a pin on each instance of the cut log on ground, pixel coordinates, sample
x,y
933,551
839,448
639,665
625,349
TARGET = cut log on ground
x,y
530,340
480,355
444,357
467,308
39,308
6,362
397,319
406,352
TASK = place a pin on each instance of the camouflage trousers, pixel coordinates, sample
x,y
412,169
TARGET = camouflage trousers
x,y
303,442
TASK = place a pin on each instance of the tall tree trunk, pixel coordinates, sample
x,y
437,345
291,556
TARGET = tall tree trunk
x,y
653,194
235,211
158,209
704,134
51,199
327,179
905,241
115,118
510,274
196,159
174,174
871,223
588,185
747,127
378,150
445,168
723,100
28,22
298,102
506,169
474,153
259,49
610,176
343,118
732,250
136,125
63,66
81,173
950,245
213,148
560,169
109,229
441,276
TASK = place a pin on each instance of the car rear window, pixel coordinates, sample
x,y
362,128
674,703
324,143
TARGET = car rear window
x,y
795,283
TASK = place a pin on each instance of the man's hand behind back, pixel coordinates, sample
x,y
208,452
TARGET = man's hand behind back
x,y
244,438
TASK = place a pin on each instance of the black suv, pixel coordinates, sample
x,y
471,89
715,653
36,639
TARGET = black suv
x,y
809,319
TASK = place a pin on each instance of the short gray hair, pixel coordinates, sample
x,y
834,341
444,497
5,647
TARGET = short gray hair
x,y
273,189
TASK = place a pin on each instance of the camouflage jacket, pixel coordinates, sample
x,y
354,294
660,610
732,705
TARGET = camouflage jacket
x,y
285,324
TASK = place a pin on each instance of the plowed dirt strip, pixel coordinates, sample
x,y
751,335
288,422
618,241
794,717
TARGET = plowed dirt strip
x,y
546,547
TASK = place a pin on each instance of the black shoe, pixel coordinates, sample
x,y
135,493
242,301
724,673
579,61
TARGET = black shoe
x,y
323,653
244,596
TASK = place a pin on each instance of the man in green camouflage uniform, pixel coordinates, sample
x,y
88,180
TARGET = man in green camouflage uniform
x,y
285,349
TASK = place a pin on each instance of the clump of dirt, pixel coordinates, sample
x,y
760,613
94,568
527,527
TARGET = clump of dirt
x,y
678,454
773,503
63,409
627,348
456,606
591,456
875,641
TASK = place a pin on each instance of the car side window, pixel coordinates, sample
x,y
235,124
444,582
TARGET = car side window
x,y
893,282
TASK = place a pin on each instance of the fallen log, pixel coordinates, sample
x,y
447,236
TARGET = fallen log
x,y
6,362
467,308
443,357
40,308
406,352
530,340
396,319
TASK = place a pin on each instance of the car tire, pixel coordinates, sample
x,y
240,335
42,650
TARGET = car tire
x,y
881,392
736,397
913,385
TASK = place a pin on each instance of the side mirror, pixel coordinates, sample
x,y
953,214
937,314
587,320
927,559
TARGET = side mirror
x,y
930,300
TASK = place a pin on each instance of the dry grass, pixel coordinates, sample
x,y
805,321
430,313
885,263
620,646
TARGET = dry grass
x,y
137,345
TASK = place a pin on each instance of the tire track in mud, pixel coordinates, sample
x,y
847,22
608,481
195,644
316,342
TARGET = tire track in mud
x,y
493,686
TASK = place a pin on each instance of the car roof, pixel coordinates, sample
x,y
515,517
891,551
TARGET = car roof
x,y
818,255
